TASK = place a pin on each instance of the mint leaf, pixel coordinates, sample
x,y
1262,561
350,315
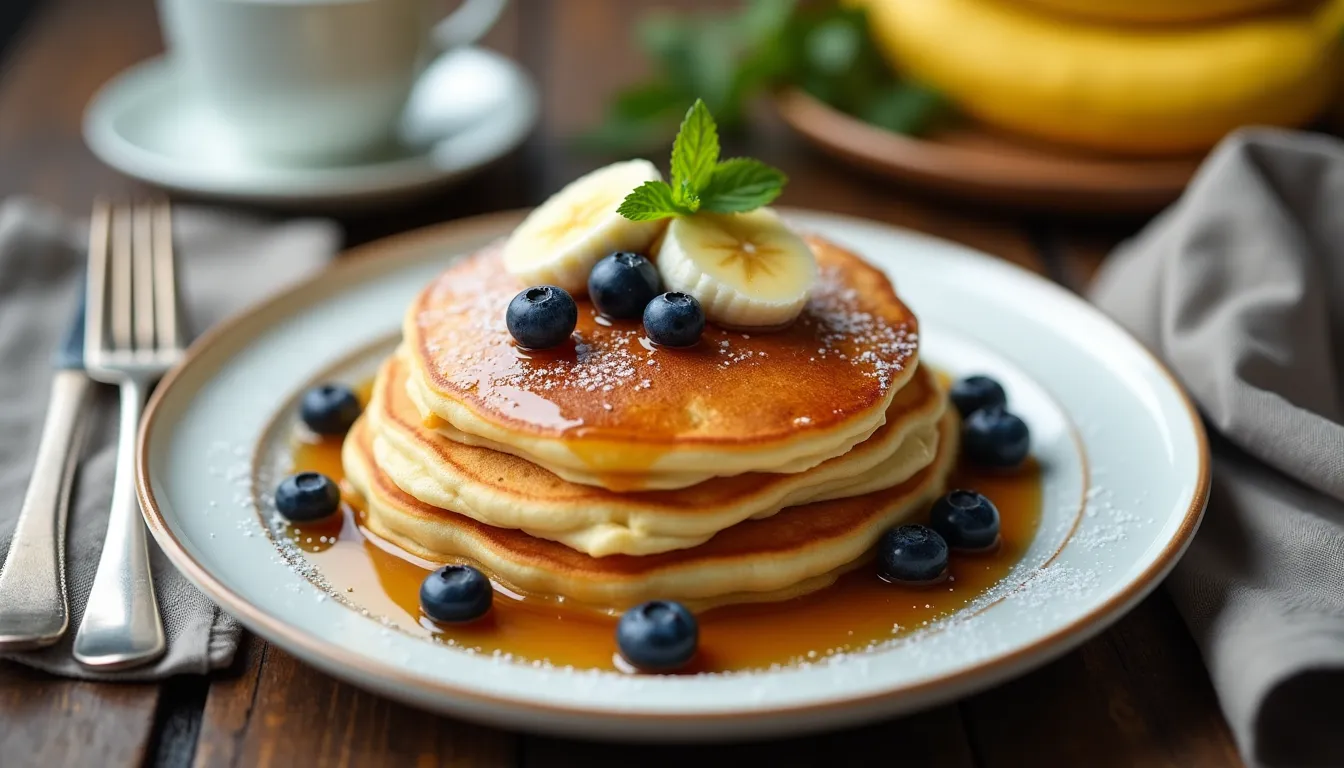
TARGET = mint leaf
x,y
741,184
650,201
694,154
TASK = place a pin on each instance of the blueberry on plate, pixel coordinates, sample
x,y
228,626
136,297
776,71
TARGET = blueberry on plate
x,y
329,409
993,437
975,392
542,317
912,554
966,520
622,284
674,320
306,497
456,593
657,636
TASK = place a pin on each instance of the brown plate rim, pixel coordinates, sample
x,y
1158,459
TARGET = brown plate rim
x,y
1072,182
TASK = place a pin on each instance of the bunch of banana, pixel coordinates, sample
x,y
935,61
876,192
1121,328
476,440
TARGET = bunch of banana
x,y
1080,78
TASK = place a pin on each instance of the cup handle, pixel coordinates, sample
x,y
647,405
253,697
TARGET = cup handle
x,y
468,23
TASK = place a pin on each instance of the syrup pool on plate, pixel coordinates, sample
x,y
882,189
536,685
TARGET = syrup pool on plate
x,y
858,611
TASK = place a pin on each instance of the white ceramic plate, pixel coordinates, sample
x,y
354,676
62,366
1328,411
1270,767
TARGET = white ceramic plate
x,y
1125,462
469,108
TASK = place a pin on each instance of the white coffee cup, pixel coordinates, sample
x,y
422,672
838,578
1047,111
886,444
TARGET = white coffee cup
x,y
313,81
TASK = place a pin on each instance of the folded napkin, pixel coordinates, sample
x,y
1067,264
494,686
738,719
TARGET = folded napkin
x,y
225,262
1240,288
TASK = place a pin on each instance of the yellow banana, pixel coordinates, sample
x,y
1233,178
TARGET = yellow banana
x,y
1159,11
1134,90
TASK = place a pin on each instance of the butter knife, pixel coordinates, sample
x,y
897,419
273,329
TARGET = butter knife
x,y
34,610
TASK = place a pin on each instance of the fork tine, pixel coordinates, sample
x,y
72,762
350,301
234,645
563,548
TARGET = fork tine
x,y
95,291
120,278
165,278
142,289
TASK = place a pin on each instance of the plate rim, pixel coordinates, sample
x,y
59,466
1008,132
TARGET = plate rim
x,y
371,672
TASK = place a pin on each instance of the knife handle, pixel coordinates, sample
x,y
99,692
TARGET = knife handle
x,y
34,611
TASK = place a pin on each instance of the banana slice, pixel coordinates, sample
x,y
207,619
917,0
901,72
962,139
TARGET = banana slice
x,y
748,270
559,242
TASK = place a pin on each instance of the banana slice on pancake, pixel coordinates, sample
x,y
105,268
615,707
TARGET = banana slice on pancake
x,y
748,270
559,242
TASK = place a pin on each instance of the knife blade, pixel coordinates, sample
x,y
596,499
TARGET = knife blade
x,y
34,610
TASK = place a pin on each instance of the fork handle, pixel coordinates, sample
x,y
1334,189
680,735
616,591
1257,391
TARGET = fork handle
x,y
33,608
121,626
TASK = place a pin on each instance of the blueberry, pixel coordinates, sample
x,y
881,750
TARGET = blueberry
x,y
622,284
306,497
657,636
912,553
456,593
993,437
975,392
966,520
542,317
674,320
329,409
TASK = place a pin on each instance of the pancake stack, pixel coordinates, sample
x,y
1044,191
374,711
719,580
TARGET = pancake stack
x,y
609,471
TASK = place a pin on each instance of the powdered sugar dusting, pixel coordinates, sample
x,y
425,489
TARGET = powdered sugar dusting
x,y
849,332
595,367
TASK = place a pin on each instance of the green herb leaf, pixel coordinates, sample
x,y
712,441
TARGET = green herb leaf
x,y
762,20
741,184
694,153
651,100
697,56
624,137
728,59
650,201
905,108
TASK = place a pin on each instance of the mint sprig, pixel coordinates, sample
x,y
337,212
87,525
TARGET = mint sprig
x,y
700,181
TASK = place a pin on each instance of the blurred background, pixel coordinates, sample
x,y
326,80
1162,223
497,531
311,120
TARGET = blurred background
x,y
1022,110
1043,132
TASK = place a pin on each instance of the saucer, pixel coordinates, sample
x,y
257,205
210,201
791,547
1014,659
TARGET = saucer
x,y
470,107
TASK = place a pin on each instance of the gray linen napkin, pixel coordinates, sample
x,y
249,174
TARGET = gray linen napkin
x,y
226,262
1240,288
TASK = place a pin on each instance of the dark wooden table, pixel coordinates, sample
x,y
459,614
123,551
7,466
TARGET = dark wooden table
x,y
1136,695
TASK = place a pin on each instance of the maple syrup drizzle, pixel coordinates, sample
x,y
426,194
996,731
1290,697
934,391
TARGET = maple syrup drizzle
x,y
857,611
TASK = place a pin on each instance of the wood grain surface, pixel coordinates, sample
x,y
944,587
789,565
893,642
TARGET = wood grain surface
x,y
1136,695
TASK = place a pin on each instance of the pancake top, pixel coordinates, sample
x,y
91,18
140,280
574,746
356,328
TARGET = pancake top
x,y
854,343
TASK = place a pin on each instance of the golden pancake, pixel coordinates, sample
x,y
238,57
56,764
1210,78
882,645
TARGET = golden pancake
x,y
610,409
503,490
800,549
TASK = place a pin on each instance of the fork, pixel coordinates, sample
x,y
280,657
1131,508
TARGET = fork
x,y
132,337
